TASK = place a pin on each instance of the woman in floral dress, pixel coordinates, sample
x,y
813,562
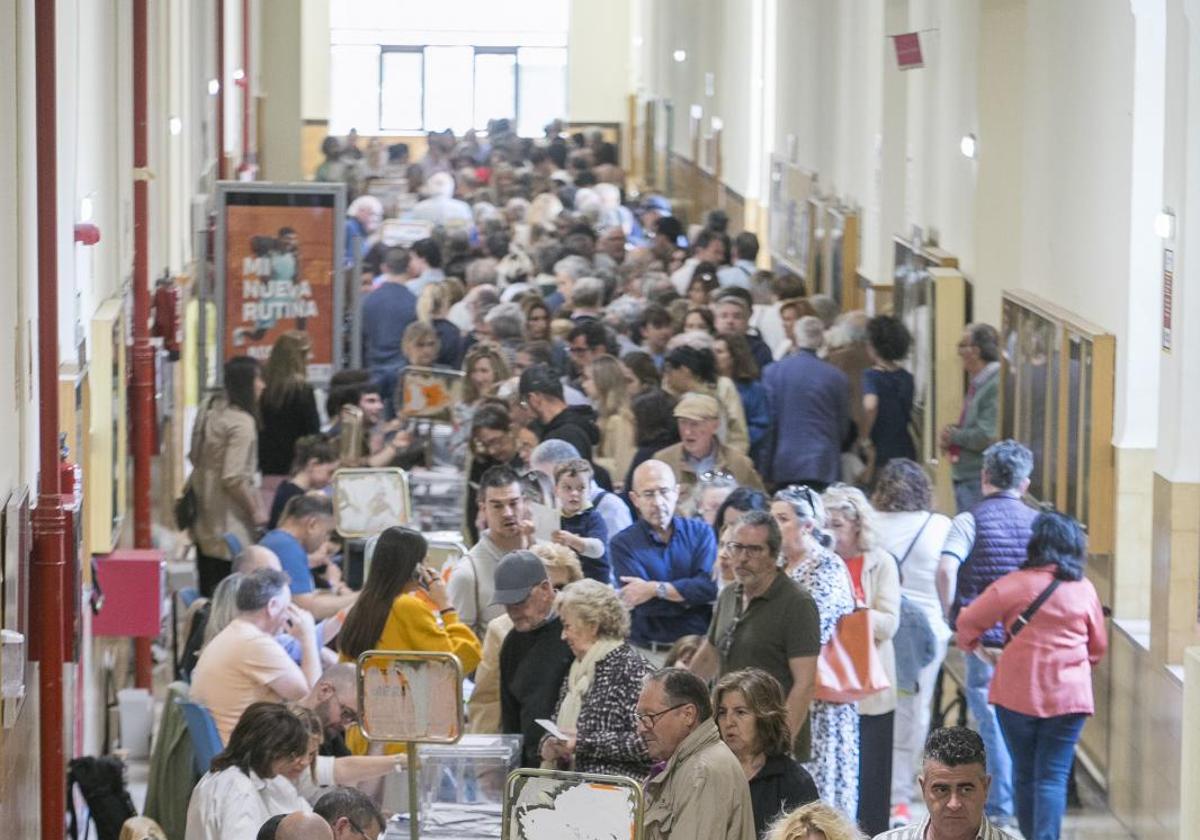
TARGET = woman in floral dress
x,y
833,757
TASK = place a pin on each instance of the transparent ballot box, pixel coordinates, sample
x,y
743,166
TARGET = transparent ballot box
x,y
462,788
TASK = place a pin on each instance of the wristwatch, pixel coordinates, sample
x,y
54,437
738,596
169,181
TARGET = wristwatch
x,y
660,590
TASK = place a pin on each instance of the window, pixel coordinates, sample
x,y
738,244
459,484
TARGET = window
x,y
407,66
402,83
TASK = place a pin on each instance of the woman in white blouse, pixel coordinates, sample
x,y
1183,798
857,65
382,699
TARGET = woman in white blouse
x,y
248,781
906,527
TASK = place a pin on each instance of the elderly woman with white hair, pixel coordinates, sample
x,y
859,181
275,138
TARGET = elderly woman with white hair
x,y
363,218
597,700
441,208
876,582
832,756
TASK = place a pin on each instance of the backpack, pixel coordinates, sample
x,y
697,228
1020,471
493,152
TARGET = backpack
x,y
102,783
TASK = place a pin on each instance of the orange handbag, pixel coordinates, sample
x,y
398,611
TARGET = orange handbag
x,y
849,667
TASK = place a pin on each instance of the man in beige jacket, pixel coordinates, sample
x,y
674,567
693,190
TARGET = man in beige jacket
x,y
696,789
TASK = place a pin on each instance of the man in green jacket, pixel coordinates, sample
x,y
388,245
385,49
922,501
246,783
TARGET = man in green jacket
x,y
978,424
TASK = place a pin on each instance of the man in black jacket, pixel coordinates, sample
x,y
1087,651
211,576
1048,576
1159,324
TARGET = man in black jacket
x,y
542,391
534,659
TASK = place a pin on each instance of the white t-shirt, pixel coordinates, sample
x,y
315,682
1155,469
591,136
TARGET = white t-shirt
x,y
918,574
232,805
477,571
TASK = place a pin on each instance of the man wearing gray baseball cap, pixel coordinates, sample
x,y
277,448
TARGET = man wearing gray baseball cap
x,y
534,659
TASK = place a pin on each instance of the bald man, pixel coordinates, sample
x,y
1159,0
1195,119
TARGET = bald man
x,y
302,826
256,557
664,565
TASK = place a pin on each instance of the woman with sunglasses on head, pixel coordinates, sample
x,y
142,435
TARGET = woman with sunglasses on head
x,y
876,582
832,757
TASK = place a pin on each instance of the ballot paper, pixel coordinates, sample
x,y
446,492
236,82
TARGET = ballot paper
x,y
546,521
553,729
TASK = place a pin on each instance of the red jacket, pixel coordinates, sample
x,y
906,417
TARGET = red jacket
x,y
1046,670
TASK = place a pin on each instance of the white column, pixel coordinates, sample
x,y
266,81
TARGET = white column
x,y
1137,362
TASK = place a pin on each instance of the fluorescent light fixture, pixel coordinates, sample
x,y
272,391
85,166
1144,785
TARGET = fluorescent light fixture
x,y
214,87
1164,224
968,145
175,125
680,56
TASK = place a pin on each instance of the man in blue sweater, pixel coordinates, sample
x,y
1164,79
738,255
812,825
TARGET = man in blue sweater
x,y
663,563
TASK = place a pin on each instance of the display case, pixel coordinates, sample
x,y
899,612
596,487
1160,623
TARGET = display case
x,y
789,222
836,249
106,471
1057,399
935,305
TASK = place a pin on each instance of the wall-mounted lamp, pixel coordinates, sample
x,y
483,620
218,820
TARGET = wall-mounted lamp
x,y
1164,224
680,56
969,146
697,112
717,124
214,87
175,126
86,209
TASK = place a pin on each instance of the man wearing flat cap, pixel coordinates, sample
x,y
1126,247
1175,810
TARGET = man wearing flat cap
x,y
534,659
700,455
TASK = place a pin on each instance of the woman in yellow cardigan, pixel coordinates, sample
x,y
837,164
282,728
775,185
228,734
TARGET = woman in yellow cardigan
x,y
404,606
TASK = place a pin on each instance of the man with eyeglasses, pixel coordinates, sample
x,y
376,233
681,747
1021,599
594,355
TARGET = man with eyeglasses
x,y
700,454
696,789
664,565
765,620
334,700
351,814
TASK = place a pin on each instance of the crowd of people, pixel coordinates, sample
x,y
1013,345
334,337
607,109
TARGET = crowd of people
x,y
730,465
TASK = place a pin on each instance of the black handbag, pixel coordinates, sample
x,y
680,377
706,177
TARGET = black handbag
x,y
185,507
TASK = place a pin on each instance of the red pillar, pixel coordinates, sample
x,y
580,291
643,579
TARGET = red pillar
x,y
222,174
47,587
142,390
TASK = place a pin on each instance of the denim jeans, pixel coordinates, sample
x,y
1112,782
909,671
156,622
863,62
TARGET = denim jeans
x,y
1042,751
999,764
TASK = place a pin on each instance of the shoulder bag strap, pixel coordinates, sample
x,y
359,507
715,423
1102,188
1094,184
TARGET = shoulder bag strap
x,y
915,539
1023,618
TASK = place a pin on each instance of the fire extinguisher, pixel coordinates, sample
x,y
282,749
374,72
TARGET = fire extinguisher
x,y
166,315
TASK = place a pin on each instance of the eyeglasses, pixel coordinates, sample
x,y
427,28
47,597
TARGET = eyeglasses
x,y
350,716
737,549
647,721
717,475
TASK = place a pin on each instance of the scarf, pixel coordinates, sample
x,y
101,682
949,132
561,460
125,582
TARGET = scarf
x,y
579,681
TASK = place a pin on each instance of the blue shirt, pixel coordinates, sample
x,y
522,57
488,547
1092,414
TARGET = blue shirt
x,y
685,562
292,557
386,314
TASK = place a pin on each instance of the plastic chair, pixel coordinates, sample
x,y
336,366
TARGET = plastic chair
x,y
206,741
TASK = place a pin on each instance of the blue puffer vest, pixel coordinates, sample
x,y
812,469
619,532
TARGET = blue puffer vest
x,y
1002,528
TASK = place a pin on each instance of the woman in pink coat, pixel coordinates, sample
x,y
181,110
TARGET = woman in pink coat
x,y
1042,690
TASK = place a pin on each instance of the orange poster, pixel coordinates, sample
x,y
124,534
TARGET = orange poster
x,y
279,276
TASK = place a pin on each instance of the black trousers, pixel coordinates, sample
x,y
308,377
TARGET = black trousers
x,y
875,772
210,571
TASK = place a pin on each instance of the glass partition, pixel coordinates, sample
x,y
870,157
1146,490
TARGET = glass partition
x,y
1057,399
